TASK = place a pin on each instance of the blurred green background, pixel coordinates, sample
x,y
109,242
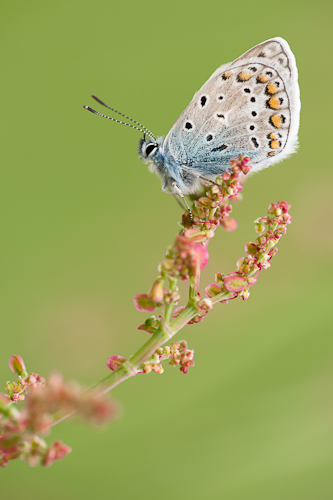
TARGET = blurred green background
x,y
84,225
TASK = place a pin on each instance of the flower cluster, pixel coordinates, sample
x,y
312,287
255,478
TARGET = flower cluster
x,y
212,210
189,255
16,390
21,431
46,402
259,254
177,353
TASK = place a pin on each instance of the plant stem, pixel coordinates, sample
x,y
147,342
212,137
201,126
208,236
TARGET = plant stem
x,y
221,296
169,307
130,367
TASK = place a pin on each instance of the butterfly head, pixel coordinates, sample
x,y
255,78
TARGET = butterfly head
x,y
148,149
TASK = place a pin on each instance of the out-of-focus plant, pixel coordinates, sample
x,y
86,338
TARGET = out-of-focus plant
x,y
48,402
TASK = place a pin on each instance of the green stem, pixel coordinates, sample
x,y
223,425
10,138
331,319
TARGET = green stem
x,y
130,367
211,213
183,318
221,296
169,307
8,410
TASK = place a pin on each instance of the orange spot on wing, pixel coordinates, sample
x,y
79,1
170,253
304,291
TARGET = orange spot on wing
x,y
271,88
226,75
262,78
273,103
271,153
244,76
276,121
275,144
272,136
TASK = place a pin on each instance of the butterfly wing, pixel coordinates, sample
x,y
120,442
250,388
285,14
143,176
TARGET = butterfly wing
x,y
249,107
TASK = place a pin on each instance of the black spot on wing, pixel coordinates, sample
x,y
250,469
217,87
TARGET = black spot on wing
x,y
255,142
219,148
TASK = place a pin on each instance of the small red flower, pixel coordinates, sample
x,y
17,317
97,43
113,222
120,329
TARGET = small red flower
x,y
229,224
56,451
114,362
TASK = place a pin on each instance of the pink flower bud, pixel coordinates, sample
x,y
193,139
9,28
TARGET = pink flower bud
x,y
205,304
209,234
251,248
259,228
158,368
212,290
190,354
198,317
147,368
56,451
114,362
143,302
245,294
243,266
205,202
235,199
273,252
202,255
229,224
235,283
186,219
219,277
261,241
284,206
215,190
195,235
156,293
251,281
16,364
246,169
176,312
150,325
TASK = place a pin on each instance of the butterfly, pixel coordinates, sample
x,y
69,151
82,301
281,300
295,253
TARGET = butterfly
x,y
249,107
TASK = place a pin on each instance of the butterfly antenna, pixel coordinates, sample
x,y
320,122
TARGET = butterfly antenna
x,y
125,116
118,121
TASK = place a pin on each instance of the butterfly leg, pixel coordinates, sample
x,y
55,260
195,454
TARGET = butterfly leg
x,y
198,175
178,192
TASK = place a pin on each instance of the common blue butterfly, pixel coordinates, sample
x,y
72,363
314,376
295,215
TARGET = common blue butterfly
x,y
248,107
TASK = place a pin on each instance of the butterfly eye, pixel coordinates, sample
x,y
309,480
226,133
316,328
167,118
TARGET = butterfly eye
x,y
150,148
